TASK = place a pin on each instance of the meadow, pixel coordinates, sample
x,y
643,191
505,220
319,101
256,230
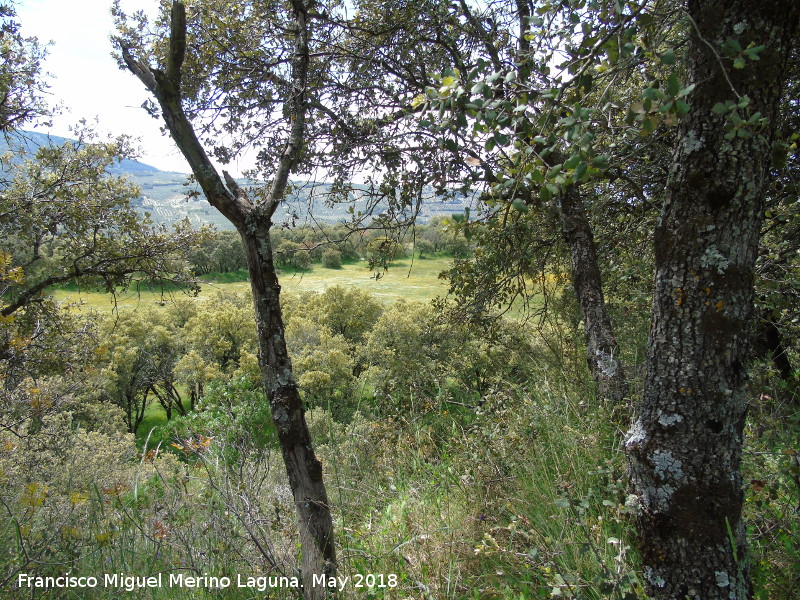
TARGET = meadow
x,y
410,278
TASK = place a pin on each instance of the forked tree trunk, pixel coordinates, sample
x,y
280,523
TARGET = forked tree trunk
x,y
602,353
685,448
253,221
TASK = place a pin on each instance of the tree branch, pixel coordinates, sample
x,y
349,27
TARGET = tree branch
x,y
166,89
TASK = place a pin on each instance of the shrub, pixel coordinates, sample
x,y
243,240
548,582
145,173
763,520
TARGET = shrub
x,y
332,259
424,247
291,255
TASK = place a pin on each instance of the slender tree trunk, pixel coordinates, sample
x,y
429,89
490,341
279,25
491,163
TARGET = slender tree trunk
x,y
685,448
602,353
302,466
252,220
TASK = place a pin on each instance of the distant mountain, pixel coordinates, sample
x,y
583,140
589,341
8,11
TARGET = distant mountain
x,y
165,194
33,140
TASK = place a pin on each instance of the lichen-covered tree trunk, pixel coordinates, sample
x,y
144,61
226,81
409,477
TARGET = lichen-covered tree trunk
x,y
685,447
253,220
602,353
302,466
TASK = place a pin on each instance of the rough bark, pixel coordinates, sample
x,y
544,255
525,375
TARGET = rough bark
x,y
685,447
253,222
602,353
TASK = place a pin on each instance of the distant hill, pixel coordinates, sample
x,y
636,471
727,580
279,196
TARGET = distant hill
x,y
165,194
33,140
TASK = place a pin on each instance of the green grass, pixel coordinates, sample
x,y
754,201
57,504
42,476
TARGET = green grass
x,y
154,416
415,280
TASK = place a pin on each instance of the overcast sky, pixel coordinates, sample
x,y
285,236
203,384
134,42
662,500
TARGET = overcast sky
x,y
86,78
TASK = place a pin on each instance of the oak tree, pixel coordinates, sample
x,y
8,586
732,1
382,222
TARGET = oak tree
x,y
248,61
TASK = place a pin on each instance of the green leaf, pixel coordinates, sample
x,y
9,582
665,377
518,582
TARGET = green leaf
x,y
686,91
572,161
668,58
739,63
732,46
545,194
719,108
681,108
601,162
673,85
753,53
478,88
580,171
519,204
651,93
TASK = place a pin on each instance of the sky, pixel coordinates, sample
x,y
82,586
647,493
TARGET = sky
x,y
86,79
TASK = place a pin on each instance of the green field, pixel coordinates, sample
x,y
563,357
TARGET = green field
x,y
416,280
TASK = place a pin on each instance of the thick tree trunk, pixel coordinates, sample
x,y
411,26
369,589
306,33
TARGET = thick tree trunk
x,y
685,448
252,220
602,353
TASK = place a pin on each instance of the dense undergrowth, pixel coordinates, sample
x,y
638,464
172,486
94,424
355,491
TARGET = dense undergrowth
x,y
462,462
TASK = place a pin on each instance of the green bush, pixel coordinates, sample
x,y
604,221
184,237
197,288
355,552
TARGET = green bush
x,y
332,259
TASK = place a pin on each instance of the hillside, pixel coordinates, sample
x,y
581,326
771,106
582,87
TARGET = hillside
x,y
165,194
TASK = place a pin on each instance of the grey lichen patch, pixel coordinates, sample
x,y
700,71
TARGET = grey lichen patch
x,y
658,499
666,465
692,143
667,420
713,259
284,377
606,362
653,577
264,247
633,504
722,578
636,434
281,418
